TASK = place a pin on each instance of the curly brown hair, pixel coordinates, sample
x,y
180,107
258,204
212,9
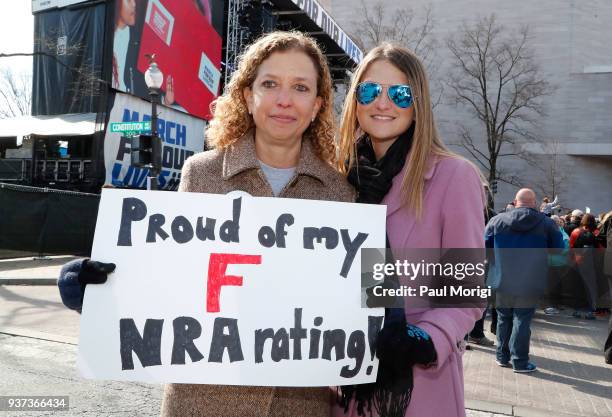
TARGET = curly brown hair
x,y
231,119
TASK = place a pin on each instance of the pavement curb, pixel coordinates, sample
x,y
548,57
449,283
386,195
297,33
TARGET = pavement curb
x,y
32,334
28,281
512,410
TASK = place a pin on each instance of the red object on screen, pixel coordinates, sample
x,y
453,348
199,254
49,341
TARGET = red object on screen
x,y
178,34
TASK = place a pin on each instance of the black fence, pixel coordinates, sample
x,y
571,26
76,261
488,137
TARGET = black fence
x,y
46,221
60,171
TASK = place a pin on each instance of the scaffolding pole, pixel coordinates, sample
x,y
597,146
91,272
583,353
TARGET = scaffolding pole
x,y
236,36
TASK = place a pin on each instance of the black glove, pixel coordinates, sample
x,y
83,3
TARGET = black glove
x,y
371,184
404,346
94,272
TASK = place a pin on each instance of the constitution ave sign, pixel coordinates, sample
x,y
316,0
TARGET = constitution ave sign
x,y
130,128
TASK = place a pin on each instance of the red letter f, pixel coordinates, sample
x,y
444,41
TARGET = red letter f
x,y
216,275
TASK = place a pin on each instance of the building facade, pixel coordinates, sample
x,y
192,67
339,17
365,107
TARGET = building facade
x,y
570,41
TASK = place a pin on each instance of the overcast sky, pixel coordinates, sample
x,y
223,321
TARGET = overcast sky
x,y
16,33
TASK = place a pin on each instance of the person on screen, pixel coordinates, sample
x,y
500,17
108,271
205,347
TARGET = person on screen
x,y
272,134
392,154
125,17
125,75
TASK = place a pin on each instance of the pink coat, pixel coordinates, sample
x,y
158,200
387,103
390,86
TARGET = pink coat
x,y
452,218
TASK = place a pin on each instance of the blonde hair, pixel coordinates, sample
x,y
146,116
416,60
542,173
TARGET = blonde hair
x,y
231,119
426,141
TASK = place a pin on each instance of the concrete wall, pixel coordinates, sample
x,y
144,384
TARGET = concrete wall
x,y
571,43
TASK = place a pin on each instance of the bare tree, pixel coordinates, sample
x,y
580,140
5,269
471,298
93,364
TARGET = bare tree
x,y
380,24
86,76
497,78
402,26
15,93
552,175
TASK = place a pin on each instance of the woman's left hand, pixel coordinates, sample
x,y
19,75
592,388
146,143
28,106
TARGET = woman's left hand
x,y
405,345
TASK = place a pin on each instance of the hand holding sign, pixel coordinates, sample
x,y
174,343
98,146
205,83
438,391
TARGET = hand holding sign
x,y
94,272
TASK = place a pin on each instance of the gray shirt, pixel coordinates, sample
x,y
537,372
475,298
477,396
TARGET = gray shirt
x,y
277,177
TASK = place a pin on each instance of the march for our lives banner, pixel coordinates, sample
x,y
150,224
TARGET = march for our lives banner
x,y
182,136
231,289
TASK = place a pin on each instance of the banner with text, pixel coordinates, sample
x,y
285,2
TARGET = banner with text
x,y
181,134
231,289
40,5
319,16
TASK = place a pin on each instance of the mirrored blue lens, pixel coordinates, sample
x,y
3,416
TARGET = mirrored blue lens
x,y
400,95
367,92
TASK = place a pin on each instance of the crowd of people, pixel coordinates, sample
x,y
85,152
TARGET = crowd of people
x,y
273,134
576,274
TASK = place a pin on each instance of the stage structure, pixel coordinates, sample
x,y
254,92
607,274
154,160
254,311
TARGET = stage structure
x,y
89,64
247,19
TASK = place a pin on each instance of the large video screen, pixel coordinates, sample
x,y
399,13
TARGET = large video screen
x,y
186,46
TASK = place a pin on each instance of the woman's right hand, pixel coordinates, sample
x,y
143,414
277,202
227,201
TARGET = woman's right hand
x,y
94,272
75,275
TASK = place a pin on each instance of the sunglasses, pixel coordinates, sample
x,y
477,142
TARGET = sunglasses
x,y
399,94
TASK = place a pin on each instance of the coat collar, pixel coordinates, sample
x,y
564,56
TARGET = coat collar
x,y
241,156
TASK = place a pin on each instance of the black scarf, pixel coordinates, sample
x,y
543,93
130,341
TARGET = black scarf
x,y
371,178
390,394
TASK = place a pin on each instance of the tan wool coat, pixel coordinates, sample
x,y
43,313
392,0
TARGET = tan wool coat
x,y
236,168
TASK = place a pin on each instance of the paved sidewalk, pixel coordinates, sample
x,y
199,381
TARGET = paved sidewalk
x,y
37,311
32,271
572,377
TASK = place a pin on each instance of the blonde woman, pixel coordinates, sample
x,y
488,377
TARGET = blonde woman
x,y
434,199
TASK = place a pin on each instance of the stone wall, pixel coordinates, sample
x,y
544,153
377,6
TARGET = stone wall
x,y
571,42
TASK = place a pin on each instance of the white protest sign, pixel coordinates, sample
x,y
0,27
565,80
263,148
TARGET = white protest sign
x,y
231,290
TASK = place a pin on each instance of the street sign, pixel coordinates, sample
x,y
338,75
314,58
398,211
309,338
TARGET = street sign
x,y
130,128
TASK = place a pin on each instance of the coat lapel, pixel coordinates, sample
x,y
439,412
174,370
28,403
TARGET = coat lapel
x,y
241,156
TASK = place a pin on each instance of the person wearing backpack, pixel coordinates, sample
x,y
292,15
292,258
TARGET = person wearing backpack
x,y
584,235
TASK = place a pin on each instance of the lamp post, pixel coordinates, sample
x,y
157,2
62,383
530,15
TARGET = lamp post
x,y
154,79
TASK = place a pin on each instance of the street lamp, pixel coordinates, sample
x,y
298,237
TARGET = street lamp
x,y
154,79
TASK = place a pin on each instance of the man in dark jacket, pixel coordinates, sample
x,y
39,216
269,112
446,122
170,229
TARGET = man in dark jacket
x,y
518,269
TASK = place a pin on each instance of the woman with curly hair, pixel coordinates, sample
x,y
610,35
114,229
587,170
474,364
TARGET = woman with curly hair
x,y
272,134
